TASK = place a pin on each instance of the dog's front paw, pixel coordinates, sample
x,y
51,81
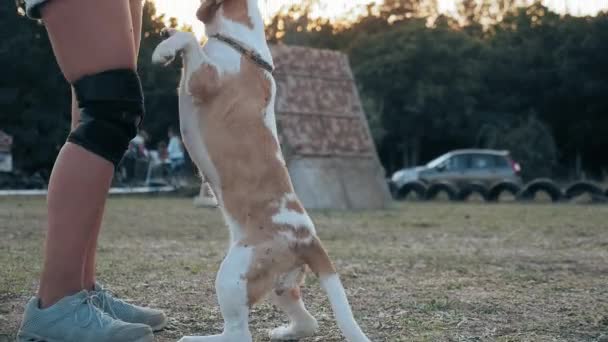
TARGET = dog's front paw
x,y
163,54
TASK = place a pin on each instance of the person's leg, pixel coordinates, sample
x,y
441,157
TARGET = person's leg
x,y
88,37
88,281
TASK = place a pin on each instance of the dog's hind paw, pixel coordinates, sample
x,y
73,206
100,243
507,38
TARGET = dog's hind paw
x,y
291,333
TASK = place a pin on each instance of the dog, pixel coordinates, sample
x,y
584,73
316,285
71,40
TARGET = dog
x,y
227,120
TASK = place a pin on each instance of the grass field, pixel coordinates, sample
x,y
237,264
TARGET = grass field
x,y
418,272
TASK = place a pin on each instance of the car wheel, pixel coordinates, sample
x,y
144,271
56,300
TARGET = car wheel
x,y
392,188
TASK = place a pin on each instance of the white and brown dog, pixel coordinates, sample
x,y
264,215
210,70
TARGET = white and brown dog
x,y
226,106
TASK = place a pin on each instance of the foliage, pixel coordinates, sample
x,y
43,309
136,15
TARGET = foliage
x,y
430,83
35,98
508,134
424,79
160,84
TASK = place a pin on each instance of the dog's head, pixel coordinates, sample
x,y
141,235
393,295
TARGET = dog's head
x,y
235,10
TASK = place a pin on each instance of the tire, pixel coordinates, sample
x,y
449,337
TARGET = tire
x,y
392,189
498,189
582,187
448,188
417,188
469,189
543,184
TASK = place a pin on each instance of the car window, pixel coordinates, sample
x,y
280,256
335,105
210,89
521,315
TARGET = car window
x,y
437,161
458,162
482,161
500,162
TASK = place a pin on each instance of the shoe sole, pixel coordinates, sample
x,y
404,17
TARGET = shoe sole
x,y
27,337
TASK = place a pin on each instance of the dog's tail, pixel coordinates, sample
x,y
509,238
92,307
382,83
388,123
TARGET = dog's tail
x,y
317,259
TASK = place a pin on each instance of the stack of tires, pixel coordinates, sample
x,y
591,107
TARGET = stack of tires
x,y
419,190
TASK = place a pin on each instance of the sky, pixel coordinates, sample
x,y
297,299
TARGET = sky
x,y
185,10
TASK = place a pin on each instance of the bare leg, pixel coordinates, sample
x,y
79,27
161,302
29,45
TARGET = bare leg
x,y
301,325
88,281
88,36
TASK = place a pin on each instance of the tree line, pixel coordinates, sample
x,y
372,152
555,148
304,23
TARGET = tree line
x,y
35,97
524,79
496,76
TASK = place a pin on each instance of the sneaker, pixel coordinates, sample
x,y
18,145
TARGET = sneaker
x,y
126,312
76,319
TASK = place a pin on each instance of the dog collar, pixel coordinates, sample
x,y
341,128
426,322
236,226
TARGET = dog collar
x,y
254,56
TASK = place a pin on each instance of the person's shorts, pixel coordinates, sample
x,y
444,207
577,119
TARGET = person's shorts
x,y
32,8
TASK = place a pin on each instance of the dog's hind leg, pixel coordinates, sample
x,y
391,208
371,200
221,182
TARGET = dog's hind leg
x,y
231,287
301,325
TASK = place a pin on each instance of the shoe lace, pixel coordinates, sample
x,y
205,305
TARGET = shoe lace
x,y
92,312
106,301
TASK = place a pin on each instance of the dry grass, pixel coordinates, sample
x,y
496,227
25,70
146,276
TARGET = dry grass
x,y
419,272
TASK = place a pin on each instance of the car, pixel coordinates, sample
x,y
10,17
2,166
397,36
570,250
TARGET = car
x,y
460,173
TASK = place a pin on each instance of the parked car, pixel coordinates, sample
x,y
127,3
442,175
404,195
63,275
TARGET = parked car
x,y
459,173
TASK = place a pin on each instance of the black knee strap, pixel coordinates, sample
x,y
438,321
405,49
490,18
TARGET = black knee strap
x,y
111,109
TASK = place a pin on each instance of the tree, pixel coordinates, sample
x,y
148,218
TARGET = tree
x,y
507,133
426,79
34,96
429,83
159,83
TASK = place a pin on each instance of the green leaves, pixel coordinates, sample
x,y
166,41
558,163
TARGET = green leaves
x,y
430,86
35,98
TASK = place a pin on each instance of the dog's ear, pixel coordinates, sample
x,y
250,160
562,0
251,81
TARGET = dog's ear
x,y
207,10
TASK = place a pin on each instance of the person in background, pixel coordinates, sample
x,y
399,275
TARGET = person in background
x,y
137,151
138,144
175,151
163,154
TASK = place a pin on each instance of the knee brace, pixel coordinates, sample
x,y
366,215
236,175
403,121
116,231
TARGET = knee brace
x,y
111,109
